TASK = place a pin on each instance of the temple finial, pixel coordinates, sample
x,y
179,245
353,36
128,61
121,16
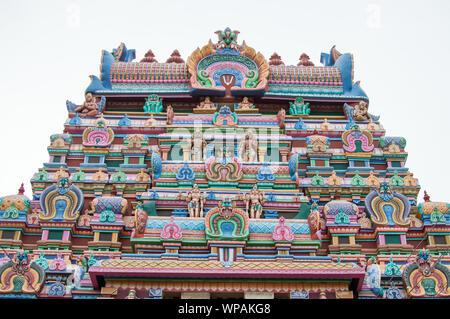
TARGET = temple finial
x,y
304,60
149,57
275,59
175,57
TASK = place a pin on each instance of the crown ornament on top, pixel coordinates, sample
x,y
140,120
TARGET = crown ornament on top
x,y
227,42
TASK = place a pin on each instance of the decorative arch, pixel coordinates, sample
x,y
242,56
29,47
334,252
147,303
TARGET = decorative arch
x,y
227,222
226,67
387,207
356,140
19,276
98,136
426,280
62,201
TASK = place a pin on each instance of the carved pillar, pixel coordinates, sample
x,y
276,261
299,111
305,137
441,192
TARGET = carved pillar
x,y
284,152
171,250
239,253
186,152
261,153
165,149
283,251
98,189
214,253
119,188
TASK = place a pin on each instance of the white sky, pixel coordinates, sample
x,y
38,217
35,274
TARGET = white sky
x,y
49,49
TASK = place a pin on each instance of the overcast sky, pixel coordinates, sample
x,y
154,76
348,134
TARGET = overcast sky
x,y
400,48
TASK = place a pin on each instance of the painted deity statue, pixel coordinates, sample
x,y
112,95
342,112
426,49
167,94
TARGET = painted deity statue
x,y
170,115
254,202
89,107
325,125
360,112
364,222
248,147
198,146
245,104
80,270
153,104
373,277
196,200
299,107
207,104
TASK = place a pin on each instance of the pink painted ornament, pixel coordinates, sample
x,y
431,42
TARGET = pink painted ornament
x,y
171,231
58,264
282,232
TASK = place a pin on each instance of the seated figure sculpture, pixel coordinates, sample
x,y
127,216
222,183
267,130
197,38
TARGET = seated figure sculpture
x,y
89,107
245,104
360,112
206,104
153,104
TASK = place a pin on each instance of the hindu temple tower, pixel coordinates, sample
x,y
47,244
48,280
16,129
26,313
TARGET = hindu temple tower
x,y
224,174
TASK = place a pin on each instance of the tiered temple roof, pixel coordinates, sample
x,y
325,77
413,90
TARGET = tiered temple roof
x,y
220,173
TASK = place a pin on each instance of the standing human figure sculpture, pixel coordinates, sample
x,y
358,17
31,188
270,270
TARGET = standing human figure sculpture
x,y
196,200
281,116
170,115
248,147
254,202
198,146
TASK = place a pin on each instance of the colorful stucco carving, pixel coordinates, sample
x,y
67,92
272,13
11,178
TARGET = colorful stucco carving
x,y
229,174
